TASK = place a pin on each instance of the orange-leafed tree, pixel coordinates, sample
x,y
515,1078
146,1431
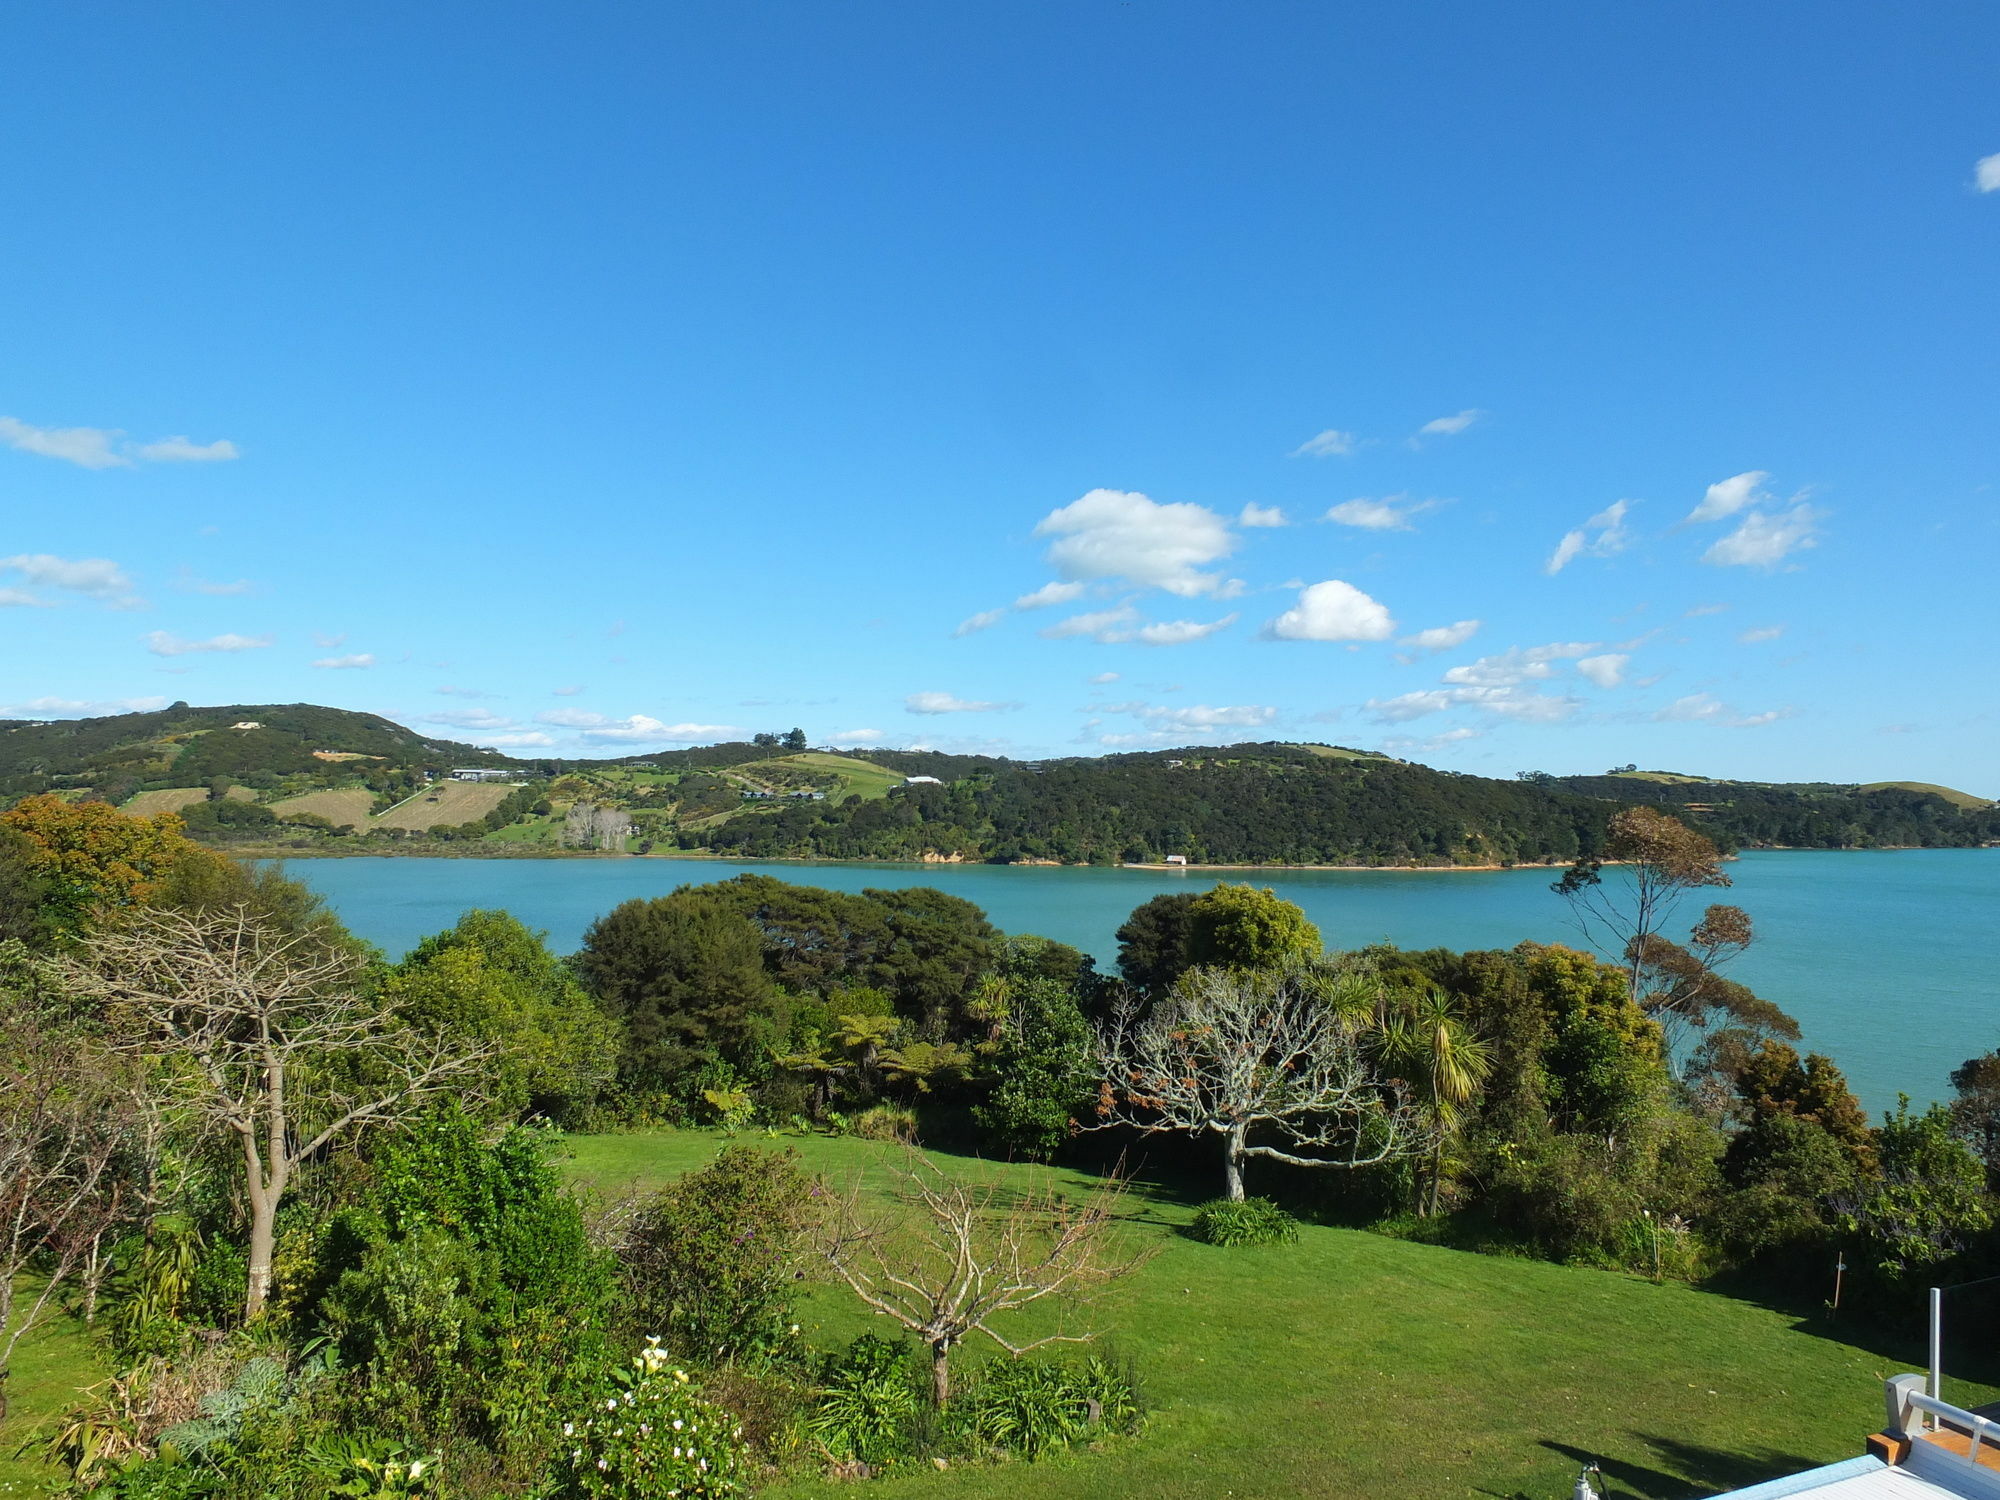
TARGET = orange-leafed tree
x,y
89,854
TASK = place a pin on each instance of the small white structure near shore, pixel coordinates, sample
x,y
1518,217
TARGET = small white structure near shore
x,y
921,781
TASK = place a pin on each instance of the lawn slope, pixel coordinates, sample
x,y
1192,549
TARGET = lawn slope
x,y
1354,1365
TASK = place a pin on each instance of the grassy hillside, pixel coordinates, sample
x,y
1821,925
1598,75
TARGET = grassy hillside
x,y
1931,789
1355,1365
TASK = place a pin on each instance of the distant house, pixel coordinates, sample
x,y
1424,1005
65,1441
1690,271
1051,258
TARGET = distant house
x,y
247,724
921,781
808,795
480,773
1176,859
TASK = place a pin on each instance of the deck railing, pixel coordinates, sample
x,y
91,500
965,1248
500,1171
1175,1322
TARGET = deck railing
x,y
1915,1415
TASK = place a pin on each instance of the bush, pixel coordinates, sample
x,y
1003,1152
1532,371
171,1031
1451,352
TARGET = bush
x,y
653,1437
868,1403
1032,1406
713,1259
1253,1221
887,1122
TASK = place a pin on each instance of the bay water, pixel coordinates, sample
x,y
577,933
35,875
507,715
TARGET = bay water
x,y
1889,959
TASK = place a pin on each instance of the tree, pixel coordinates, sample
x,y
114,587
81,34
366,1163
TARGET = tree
x,y
686,975
1930,1200
491,978
1241,927
795,739
280,1044
1975,1112
1658,860
1153,942
1427,1044
1683,989
1230,1053
1045,1072
89,854
976,1252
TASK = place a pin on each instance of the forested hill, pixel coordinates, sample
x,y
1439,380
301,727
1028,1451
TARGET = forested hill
x,y
303,776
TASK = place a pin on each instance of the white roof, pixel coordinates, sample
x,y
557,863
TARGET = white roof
x,y
1852,1479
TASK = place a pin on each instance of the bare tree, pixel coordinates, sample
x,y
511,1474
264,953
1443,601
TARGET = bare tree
x,y
1657,860
283,1047
1232,1052
65,1112
979,1251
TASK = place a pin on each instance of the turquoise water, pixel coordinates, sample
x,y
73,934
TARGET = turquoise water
x,y
1890,960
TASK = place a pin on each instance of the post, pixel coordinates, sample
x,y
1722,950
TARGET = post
x,y
1937,1343
1839,1274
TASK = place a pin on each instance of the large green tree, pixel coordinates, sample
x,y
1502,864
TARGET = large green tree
x,y
685,974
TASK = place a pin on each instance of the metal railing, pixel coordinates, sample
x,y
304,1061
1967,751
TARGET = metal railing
x,y
1910,1406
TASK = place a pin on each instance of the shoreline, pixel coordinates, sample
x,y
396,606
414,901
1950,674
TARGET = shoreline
x,y
262,852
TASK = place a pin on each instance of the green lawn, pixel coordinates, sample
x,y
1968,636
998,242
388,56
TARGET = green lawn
x,y
51,1365
1354,1365
862,776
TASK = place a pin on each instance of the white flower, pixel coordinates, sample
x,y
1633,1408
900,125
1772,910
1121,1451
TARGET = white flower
x,y
677,1424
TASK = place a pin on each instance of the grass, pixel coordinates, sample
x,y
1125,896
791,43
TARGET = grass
x,y
178,798
344,808
51,1366
862,776
446,803
1352,1364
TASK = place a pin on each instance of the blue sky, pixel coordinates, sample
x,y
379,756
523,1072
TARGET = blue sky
x,y
588,379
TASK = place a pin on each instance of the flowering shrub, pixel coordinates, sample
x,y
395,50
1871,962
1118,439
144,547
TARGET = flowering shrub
x,y
650,1439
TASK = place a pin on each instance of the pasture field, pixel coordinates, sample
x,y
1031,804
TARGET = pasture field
x,y
1950,794
1356,1365
445,802
862,776
347,808
174,798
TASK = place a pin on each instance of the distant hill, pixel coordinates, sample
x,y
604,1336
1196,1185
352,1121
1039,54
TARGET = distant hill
x,y
305,777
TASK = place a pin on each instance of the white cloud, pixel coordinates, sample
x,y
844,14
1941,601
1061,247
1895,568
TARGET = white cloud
x,y
160,643
1764,540
1104,677
854,737
1611,536
1706,708
99,448
179,450
1097,624
1442,637
1443,740
945,703
1261,515
1122,534
96,577
1174,632
1760,634
36,708
339,663
1047,594
87,447
644,729
1166,723
1391,513
1333,443
520,739
471,718
1332,611
327,641
1705,609
1518,664
450,691
566,692
1450,426
986,619
1986,173
571,718
22,599
1727,496
1502,701
1607,671
1121,625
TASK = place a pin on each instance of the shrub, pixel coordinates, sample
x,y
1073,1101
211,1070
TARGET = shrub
x,y
887,1122
868,1403
713,1259
1031,1406
651,1435
1252,1221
